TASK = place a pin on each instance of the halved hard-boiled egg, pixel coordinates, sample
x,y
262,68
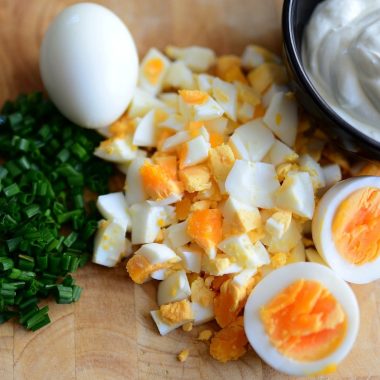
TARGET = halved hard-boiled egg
x,y
302,319
346,229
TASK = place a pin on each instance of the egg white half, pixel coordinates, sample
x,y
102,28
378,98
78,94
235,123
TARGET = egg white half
x,y
322,231
276,282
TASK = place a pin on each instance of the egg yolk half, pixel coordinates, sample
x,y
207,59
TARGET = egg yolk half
x,y
304,322
356,226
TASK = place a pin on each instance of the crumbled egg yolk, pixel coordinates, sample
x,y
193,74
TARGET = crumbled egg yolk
x,y
183,355
158,182
304,322
230,343
176,312
200,293
205,228
205,335
356,226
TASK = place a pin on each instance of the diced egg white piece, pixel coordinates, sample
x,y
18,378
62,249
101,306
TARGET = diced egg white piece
x,y
204,82
198,59
245,112
281,153
253,183
282,117
134,190
297,254
218,125
278,223
167,213
170,99
157,253
243,277
226,95
109,243
196,151
142,103
247,94
175,122
296,194
116,149
332,174
124,166
174,288
146,133
243,252
146,222
159,274
172,142
191,258
219,266
252,141
205,108
177,235
307,163
286,243
179,76
163,327
239,216
114,206
274,89
254,56
202,314
152,72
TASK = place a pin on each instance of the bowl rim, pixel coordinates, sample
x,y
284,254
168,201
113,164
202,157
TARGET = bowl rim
x,y
294,56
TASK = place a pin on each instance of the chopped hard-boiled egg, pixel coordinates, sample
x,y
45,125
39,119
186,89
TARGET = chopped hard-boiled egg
x,y
302,319
282,118
226,95
117,149
191,258
146,132
153,69
243,252
110,243
147,221
239,217
174,288
346,229
254,56
252,141
134,191
197,58
198,105
114,206
296,194
253,183
179,76
222,180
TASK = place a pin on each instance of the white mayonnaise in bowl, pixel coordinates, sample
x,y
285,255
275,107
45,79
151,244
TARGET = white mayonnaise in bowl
x,y
332,52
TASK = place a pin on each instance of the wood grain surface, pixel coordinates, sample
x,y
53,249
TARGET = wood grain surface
x,y
109,333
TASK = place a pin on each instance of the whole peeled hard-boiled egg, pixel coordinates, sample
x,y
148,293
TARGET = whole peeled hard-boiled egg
x,y
302,319
89,65
346,229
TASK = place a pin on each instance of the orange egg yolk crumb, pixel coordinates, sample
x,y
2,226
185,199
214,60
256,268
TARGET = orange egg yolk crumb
x,y
205,227
158,182
304,322
356,226
194,97
230,343
153,69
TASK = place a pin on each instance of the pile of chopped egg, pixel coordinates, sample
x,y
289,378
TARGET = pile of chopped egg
x,y
222,175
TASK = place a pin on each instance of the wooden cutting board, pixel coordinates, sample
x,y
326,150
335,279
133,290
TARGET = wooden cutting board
x,y
109,333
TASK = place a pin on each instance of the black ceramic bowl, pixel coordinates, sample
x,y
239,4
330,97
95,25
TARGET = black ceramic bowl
x,y
295,16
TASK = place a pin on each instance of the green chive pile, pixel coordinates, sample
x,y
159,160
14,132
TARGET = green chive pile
x,y
46,229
